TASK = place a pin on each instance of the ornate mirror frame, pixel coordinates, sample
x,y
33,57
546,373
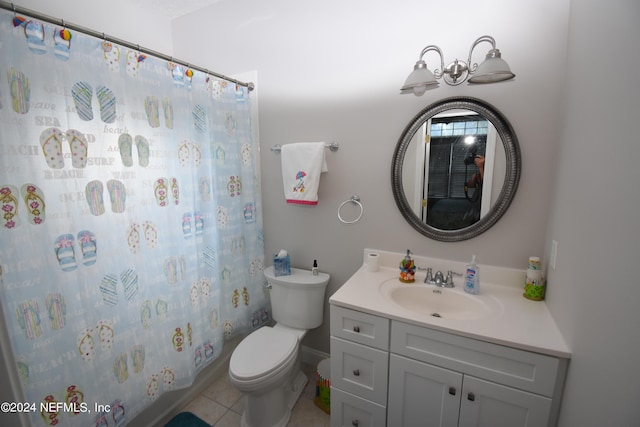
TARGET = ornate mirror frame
x,y
511,179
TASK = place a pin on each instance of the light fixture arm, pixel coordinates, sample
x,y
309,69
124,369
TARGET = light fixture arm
x,y
489,39
432,48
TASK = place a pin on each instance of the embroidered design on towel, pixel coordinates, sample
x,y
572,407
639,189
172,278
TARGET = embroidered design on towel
x,y
300,184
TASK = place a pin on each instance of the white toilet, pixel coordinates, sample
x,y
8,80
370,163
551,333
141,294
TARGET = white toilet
x,y
265,366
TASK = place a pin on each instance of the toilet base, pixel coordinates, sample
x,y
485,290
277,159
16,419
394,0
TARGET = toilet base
x,y
273,409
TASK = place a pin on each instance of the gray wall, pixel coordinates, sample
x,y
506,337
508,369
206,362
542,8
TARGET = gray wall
x,y
594,291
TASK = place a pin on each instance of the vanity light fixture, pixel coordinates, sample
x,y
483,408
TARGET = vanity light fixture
x,y
493,69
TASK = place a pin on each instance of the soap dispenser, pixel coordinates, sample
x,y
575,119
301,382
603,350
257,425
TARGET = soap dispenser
x,y
472,277
407,269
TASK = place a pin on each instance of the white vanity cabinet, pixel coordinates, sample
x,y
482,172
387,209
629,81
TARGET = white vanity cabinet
x,y
359,368
440,379
390,373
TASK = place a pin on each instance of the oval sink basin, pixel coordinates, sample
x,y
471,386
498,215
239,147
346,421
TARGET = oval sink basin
x,y
430,300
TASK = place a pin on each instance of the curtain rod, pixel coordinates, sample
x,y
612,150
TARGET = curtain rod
x,y
17,9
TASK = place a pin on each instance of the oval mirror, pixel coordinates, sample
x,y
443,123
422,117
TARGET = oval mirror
x,y
455,169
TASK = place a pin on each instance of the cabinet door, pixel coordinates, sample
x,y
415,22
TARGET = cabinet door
x,y
487,404
422,395
348,410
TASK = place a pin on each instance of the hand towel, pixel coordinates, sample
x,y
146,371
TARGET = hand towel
x,y
302,164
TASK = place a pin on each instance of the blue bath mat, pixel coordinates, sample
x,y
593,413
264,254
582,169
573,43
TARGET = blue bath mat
x,y
186,419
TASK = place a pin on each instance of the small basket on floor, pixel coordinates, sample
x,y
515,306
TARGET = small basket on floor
x,y
323,386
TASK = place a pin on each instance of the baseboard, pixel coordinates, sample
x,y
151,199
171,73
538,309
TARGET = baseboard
x,y
311,356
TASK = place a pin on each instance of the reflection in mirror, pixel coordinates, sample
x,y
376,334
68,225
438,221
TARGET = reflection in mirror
x,y
452,179
455,169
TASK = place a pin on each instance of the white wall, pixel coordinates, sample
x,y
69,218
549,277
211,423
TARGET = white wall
x,y
332,70
123,19
594,291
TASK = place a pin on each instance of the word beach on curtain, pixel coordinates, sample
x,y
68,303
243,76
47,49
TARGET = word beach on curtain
x,y
130,226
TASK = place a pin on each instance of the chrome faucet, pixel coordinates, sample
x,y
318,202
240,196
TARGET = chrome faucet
x,y
439,279
428,278
449,280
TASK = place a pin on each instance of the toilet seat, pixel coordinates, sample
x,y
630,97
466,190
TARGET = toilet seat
x,y
263,354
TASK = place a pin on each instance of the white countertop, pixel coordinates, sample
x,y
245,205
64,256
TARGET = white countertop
x,y
513,320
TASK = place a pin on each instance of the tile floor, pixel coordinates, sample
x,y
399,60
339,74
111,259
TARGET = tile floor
x,y
221,404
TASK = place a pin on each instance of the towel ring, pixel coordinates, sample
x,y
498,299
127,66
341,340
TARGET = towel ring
x,y
354,199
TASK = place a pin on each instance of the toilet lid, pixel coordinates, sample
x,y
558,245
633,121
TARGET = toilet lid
x,y
261,352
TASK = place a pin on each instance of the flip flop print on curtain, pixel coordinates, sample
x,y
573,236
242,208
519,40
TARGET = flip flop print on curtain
x,y
9,206
152,110
161,192
117,194
34,201
19,90
51,143
62,41
34,32
64,249
82,94
125,144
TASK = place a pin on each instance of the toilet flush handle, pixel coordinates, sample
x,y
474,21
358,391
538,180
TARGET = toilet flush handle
x,y
267,285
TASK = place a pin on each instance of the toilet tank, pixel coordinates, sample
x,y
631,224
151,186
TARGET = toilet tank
x,y
297,300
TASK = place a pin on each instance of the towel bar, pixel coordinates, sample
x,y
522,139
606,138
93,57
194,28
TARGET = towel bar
x,y
331,146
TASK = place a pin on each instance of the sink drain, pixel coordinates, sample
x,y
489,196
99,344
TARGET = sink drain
x,y
436,315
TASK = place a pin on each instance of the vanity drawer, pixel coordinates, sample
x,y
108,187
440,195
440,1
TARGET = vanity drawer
x,y
360,327
516,368
348,410
359,370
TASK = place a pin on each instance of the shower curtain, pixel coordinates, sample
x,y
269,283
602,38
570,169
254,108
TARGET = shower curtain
x,y
130,224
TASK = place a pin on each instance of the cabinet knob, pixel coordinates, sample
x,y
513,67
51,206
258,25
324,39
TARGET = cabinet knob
x,y
452,391
356,329
356,372
355,423
471,397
